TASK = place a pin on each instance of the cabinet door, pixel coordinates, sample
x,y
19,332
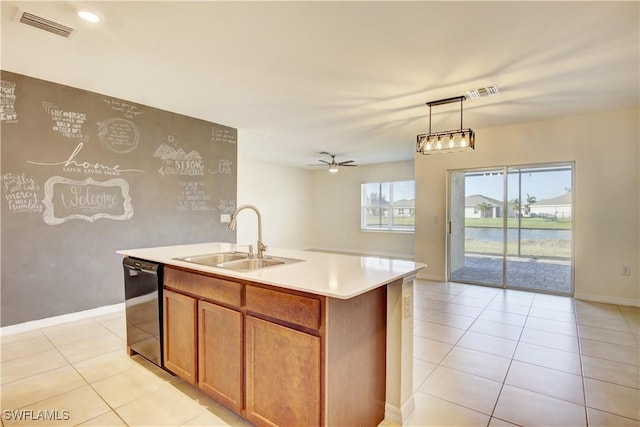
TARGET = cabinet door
x,y
220,354
180,335
282,375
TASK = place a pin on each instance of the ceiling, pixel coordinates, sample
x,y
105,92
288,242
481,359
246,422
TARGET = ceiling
x,y
351,78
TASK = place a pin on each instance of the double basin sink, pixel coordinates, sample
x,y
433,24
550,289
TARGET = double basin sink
x,y
236,261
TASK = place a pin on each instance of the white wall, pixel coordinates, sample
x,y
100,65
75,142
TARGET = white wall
x,y
607,215
336,208
283,196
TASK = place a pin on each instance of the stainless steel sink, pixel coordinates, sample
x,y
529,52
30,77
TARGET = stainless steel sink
x,y
250,264
236,261
212,260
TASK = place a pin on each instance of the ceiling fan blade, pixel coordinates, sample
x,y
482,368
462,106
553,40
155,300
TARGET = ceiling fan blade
x,y
315,164
345,162
348,165
325,162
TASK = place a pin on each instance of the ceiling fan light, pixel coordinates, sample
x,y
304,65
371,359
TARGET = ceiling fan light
x,y
333,168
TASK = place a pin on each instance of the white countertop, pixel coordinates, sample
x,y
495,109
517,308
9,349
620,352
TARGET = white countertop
x,y
321,273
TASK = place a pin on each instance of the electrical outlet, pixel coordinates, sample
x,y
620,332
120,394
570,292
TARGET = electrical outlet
x,y
625,271
406,309
225,218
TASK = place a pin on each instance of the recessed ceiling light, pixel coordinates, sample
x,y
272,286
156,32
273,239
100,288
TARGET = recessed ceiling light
x,y
89,16
482,92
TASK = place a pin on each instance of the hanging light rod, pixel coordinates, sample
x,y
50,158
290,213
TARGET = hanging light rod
x,y
449,141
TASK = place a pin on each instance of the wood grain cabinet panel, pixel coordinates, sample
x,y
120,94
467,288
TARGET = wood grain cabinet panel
x,y
289,307
180,335
204,286
220,338
283,375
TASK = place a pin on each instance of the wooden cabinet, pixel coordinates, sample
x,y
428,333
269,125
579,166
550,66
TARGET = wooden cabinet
x,y
220,337
274,356
180,335
283,375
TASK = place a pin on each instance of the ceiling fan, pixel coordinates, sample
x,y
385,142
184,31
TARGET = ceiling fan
x,y
333,165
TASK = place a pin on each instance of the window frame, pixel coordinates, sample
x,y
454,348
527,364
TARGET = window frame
x,y
392,226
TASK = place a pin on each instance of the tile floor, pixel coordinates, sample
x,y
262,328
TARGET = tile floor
x,y
482,357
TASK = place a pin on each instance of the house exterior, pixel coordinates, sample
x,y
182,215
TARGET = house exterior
x,y
473,207
556,207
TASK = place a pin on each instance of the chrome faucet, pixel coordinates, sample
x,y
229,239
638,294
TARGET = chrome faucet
x,y
232,226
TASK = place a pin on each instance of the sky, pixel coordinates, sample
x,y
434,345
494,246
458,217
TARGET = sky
x,y
543,184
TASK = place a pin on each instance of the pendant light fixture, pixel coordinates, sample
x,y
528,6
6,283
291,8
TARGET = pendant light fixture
x,y
449,141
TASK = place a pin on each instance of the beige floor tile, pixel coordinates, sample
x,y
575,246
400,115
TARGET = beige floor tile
x,y
106,365
509,307
461,310
470,301
432,411
518,297
497,422
548,357
470,391
613,372
496,329
91,347
127,386
78,331
425,302
553,326
421,313
604,322
116,325
600,418
548,382
548,339
436,296
451,320
430,350
109,419
20,336
30,365
480,292
565,304
526,408
608,335
616,353
561,316
503,317
209,419
488,344
166,406
219,416
82,404
477,363
39,387
26,347
597,309
421,371
613,398
437,332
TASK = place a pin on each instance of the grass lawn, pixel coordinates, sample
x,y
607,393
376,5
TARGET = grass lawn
x,y
541,223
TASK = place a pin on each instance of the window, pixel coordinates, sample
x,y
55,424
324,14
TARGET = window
x,y
388,206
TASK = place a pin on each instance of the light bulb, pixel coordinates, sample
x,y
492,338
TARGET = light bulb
x,y
439,143
429,146
88,15
463,143
333,169
451,142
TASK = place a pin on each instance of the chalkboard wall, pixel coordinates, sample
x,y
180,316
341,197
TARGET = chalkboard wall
x,y
85,174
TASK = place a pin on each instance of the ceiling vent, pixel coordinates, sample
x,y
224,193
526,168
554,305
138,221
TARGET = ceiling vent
x,y
483,92
44,24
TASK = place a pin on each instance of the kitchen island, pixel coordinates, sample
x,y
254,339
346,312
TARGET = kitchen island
x,y
326,340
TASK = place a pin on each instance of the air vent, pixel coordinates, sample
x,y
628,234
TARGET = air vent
x,y
482,92
44,24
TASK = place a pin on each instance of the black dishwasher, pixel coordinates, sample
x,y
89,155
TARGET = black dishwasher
x,y
143,301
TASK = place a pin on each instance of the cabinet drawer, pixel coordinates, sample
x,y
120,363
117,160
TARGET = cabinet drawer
x,y
206,287
298,309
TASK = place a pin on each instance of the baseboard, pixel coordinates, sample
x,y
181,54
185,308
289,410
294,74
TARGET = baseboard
x,y
408,257
396,416
57,320
606,299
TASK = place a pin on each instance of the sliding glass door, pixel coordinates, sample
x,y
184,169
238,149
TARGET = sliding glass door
x,y
512,227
